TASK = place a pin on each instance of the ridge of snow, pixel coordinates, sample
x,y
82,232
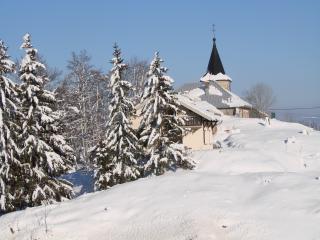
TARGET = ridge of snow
x,y
215,77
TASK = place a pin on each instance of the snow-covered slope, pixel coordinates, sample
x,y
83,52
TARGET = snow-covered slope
x,y
262,184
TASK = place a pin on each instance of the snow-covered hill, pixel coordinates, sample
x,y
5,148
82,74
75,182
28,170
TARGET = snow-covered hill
x,y
264,183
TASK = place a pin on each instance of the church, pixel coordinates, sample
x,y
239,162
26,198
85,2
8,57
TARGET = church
x,y
214,87
204,103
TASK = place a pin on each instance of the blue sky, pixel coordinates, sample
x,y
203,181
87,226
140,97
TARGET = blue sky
x,y
276,42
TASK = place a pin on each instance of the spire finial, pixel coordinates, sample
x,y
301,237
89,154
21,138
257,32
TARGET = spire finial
x,y
214,32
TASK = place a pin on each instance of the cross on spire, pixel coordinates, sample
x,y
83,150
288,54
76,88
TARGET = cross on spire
x,y
214,31
215,65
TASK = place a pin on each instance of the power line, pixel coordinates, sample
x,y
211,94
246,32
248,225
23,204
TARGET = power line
x,y
294,108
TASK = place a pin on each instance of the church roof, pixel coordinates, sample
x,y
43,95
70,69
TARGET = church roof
x,y
215,65
214,94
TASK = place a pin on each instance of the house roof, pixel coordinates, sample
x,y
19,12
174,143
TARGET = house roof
x,y
213,93
202,108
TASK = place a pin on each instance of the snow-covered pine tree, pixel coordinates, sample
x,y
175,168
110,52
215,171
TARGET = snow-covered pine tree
x,y
44,152
160,128
116,154
10,165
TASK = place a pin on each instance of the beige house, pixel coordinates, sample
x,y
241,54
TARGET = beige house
x,y
201,122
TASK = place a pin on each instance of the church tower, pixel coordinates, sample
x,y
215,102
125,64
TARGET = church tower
x,y
215,70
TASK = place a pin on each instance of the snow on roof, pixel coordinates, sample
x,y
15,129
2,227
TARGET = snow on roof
x,y
215,94
214,91
196,93
215,77
235,101
202,108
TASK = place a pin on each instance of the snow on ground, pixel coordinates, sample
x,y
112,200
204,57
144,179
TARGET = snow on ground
x,y
259,185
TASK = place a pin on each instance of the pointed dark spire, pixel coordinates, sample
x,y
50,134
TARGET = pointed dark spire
x,y
215,65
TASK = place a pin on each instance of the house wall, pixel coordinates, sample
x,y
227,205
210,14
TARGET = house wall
x,y
244,113
226,84
239,112
200,138
228,111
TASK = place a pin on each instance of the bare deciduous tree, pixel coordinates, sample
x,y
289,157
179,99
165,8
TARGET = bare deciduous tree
x,y
83,97
261,97
136,74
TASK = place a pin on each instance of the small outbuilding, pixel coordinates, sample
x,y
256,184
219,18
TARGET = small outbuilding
x,y
201,122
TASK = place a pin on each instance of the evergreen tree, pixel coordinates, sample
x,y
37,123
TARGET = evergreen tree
x,y
44,152
116,153
10,165
160,127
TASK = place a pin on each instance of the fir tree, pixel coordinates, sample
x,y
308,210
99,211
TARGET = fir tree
x,y
10,166
44,152
160,128
116,153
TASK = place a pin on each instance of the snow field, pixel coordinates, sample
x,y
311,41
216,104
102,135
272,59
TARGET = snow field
x,y
257,186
